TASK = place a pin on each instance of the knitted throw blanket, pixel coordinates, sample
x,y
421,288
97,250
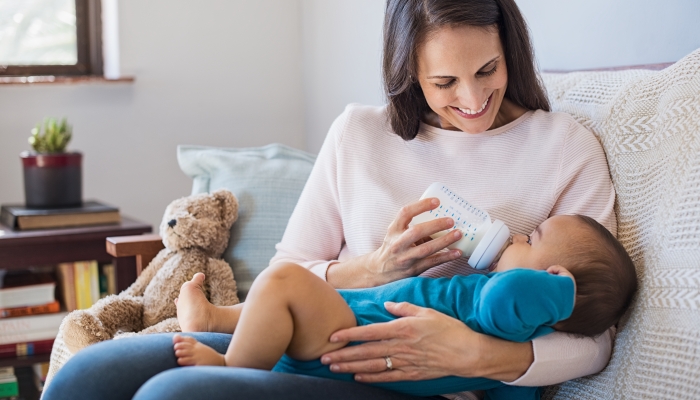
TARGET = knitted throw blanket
x,y
649,125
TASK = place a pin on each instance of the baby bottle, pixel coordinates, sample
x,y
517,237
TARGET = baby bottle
x,y
483,240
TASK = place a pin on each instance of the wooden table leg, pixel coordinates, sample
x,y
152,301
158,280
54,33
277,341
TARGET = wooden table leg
x,y
125,269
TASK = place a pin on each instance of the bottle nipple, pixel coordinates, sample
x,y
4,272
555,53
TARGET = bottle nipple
x,y
503,248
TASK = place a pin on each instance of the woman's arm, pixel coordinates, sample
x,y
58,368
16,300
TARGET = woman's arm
x,y
314,236
559,357
426,344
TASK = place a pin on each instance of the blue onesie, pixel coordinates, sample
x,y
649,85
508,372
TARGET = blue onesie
x,y
517,305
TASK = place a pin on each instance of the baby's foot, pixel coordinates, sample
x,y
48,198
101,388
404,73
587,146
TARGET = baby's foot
x,y
193,308
190,352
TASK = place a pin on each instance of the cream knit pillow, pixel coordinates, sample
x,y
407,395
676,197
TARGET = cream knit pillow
x,y
649,125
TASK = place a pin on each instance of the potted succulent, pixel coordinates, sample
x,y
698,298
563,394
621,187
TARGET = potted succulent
x,y
52,176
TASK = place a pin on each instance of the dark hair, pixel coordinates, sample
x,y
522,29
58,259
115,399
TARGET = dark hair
x,y
606,281
407,23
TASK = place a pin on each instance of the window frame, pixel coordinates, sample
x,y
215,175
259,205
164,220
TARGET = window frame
x,y
88,14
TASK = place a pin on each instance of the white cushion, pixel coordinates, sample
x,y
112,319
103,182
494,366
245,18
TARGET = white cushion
x,y
649,125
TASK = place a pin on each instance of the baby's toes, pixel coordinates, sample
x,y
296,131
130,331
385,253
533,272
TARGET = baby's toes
x,y
185,361
177,338
183,346
183,353
189,339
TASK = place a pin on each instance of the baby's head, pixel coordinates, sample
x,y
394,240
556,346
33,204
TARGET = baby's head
x,y
604,275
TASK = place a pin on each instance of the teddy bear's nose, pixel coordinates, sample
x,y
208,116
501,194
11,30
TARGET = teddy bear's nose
x,y
172,223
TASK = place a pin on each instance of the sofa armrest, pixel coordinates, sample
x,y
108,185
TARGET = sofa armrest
x,y
143,247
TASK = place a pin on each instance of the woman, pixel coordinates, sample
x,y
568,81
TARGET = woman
x,y
465,108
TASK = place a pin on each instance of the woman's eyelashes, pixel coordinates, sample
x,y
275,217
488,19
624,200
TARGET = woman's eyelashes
x,y
529,240
480,74
445,85
489,72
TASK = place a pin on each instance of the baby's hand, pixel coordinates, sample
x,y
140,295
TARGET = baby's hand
x,y
561,271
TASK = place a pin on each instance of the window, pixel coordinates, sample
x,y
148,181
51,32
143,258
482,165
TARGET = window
x,y
50,37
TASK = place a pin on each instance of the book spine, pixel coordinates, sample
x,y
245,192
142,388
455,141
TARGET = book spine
x,y
103,282
26,349
32,310
27,337
9,387
77,278
6,218
29,295
66,279
82,285
26,222
111,275
41,370
94,282
29,324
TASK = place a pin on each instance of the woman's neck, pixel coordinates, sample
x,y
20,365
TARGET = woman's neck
x,y
508,113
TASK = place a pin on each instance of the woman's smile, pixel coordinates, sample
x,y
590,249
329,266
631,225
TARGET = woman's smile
x,y
471,114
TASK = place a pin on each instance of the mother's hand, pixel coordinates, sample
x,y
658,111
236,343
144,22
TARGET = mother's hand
x,y
426,344
408,251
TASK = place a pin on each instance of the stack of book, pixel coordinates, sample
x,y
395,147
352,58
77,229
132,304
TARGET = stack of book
x,y
8,383
83,283
29,314
90,213
30,335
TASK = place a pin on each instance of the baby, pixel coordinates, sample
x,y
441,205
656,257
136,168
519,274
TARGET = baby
x,y
569,275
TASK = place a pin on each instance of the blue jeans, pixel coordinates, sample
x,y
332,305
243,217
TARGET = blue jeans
x,y
145,368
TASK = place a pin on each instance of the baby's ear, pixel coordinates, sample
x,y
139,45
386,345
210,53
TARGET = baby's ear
x,y
556,269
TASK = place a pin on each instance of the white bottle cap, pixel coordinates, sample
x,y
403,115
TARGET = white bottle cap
x,y
490,245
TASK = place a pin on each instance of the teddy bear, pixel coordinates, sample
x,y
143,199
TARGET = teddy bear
x,y
195,232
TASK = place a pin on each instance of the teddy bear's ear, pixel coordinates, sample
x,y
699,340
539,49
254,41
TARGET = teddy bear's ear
x,y
229,206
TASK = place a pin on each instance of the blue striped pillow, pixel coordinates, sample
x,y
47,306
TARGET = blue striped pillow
x,y
267,182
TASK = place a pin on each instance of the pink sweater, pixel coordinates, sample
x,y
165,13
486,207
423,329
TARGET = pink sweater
x,y
539,165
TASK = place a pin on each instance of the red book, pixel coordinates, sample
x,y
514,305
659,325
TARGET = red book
x,y
26,349
52,307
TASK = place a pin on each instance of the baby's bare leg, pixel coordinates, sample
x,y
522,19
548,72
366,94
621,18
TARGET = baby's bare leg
x,y
196,314
288,310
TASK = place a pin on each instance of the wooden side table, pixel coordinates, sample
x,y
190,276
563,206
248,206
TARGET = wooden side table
x,y
21,249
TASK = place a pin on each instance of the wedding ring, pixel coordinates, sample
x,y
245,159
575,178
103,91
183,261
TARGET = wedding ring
x,y
389,365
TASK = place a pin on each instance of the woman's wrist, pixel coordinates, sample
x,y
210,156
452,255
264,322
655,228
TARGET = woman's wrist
x,y
502,360
351,274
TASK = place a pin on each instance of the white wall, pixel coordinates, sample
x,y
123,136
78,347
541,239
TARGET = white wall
x,y
342,46
213,72
578,34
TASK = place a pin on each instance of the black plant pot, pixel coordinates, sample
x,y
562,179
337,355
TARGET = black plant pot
x,y
52,180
